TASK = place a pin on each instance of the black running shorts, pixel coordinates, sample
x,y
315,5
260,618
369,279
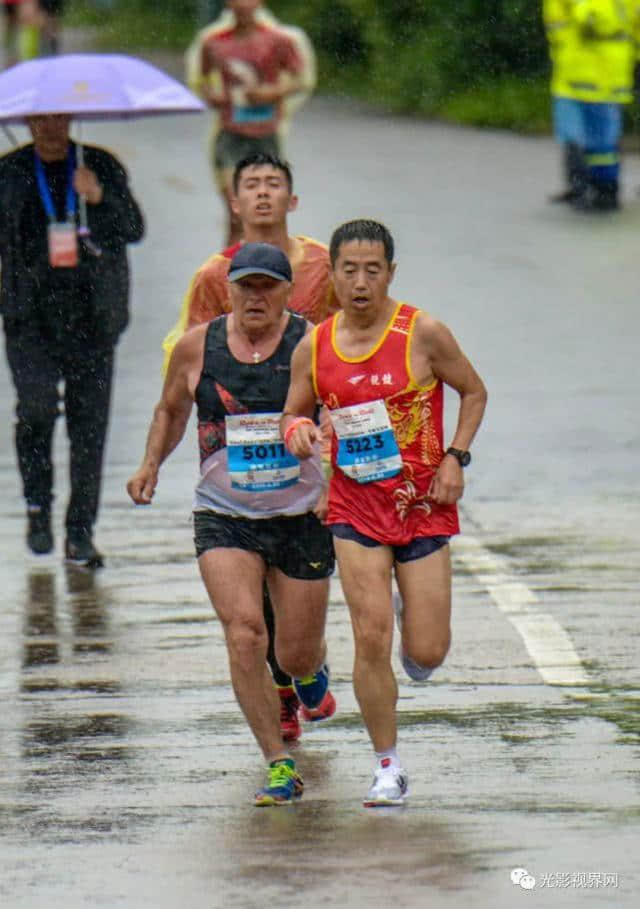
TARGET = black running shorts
x,y
229,148
300,546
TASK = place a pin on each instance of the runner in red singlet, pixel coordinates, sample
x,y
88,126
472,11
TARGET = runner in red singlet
x,y
247,71
379,366
397,509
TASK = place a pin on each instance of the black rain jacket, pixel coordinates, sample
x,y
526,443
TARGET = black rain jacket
x,y
92,299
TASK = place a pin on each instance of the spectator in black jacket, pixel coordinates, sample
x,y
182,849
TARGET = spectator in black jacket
x,y
64,302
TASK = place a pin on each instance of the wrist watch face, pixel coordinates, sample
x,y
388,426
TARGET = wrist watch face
x,y
463,457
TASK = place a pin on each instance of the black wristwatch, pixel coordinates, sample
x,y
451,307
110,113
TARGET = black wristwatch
x,y
462,457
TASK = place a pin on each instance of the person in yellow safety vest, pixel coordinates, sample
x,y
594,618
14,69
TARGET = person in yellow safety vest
x,y
593,47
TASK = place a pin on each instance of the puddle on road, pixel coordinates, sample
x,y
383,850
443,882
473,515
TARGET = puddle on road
x,y
113,753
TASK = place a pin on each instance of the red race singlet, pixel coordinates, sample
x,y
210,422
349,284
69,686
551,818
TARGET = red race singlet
x,y
394,510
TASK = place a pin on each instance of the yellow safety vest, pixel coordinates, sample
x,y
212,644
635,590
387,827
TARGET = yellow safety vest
x,y
593,48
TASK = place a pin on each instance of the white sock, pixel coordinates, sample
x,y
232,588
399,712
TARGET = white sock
x,y
388,758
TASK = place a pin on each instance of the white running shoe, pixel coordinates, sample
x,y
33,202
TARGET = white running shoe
x,y
390,785
414,670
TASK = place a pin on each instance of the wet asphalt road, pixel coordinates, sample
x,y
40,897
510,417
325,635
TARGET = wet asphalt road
x,y
126,771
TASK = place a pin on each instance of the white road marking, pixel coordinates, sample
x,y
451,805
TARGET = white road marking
x,y
547,643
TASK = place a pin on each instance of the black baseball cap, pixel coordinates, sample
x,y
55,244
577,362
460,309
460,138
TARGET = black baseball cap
x,y
260,259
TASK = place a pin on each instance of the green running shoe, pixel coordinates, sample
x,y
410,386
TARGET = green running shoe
x,y
284,785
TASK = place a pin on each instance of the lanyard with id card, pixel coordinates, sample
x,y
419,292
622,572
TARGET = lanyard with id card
x,y
62,236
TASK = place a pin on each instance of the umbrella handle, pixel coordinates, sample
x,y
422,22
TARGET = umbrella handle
x,y
83,229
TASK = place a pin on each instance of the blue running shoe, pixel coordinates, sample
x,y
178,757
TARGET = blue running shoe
x,y
284,785
312,689
325,709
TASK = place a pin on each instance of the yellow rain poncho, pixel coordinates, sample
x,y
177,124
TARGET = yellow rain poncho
x,y
593,48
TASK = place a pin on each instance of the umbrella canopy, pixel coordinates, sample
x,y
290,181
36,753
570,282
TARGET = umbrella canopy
x,y
91,87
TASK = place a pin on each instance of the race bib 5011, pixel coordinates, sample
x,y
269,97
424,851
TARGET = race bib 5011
x,y
257,458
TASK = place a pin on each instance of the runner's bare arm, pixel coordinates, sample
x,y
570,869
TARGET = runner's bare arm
x,y
214,98
272,92
170,416
300,404
212,85
438,353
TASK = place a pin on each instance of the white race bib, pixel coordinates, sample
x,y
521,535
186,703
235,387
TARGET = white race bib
x,y
257,458
367,447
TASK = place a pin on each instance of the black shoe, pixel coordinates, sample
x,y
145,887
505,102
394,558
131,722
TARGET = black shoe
x,y
79,549
598,198
39,536
567,196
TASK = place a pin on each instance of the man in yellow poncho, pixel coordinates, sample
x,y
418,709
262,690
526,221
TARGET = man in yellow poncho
x,y
593,51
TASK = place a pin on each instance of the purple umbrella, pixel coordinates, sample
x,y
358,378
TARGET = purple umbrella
x,y
91,87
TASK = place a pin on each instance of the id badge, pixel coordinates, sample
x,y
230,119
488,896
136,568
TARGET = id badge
x,y
63,245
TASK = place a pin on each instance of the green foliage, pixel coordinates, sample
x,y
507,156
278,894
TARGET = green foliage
x,y
479,61
505,103
130,24
419,55
341,37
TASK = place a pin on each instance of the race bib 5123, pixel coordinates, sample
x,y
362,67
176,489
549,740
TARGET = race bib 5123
x,y
367,447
